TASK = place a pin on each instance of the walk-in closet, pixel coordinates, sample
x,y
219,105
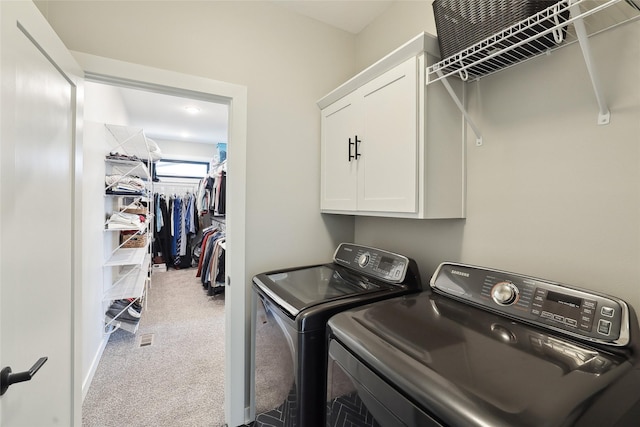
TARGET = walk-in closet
x,y
154,296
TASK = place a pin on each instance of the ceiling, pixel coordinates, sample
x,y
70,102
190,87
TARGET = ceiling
x,y
352,16
164,117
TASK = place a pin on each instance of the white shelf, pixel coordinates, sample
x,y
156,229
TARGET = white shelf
x,y
141,229
119,324
130,283
524,41
516,44
128,163
130,266
130,140
128,168
127,256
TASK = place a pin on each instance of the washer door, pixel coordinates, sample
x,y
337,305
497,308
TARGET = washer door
x,y
356,396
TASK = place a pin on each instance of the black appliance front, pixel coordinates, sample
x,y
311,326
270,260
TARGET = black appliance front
x,y
292,309
475,355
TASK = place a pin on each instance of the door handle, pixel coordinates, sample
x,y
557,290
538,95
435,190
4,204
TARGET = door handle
x,y
356,144
7,378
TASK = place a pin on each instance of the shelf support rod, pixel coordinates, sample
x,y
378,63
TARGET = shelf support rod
x,y
604,114
455,98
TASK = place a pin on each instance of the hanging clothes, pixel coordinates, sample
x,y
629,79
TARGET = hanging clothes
x,y
176,225
162,232
212,191
211,261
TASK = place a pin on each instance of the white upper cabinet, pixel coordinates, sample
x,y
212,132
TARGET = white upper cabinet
x,y
339,177
389,148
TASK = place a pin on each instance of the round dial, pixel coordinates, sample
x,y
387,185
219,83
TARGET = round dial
x,y
363,259
504,293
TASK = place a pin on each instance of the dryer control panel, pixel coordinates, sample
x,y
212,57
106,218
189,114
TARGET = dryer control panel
x,y
378,263
577,312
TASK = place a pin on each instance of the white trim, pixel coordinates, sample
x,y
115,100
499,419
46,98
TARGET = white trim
x,y
238,298
86,383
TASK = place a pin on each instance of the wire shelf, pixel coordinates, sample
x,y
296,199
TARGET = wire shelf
x,y
525,40
130,283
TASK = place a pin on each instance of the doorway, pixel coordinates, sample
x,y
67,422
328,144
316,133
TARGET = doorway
x,y
116,72
171,364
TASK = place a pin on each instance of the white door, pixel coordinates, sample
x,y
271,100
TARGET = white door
x,y
37,219
387,167
338,155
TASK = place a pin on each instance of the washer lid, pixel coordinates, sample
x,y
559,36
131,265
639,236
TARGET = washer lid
x,y
298,289
470,367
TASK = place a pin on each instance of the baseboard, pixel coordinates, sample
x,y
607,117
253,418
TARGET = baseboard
x,y
94,365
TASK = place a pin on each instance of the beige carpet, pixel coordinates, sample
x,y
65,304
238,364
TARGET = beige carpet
x,y
179,379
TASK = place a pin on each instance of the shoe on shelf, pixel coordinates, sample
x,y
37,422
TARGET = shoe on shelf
x,y
134,309
122,315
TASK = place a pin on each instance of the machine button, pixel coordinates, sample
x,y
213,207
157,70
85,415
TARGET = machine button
x,y
558,318
607,311
363,260
547,315
504,293
571,322
604,327
584,326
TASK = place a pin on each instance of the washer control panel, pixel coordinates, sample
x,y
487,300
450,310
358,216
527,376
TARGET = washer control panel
x,y
583,314
378,263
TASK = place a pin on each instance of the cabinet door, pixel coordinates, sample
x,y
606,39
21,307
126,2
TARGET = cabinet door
x,y
338,168
387,166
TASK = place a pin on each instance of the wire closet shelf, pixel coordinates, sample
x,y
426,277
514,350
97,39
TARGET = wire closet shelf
x,y
522,41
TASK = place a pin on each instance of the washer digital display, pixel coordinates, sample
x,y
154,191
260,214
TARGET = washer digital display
x,y
385,263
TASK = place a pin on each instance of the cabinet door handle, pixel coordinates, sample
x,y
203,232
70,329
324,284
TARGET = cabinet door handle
x,y
350,155
356,144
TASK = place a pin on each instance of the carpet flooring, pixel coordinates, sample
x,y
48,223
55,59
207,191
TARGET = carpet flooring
x,y
179,379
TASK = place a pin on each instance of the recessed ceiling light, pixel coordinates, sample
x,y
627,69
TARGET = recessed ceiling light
x,y
192,109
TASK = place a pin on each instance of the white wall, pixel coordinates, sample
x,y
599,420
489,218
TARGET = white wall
x,y
550,193
287,62
401,22
102,104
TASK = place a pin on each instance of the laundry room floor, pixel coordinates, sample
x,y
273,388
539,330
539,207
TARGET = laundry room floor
x,y
177,380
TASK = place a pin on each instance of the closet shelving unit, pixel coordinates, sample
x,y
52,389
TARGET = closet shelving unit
x,y
127,269
568,21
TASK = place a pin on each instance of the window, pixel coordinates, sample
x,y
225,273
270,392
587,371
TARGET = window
x,y
181,169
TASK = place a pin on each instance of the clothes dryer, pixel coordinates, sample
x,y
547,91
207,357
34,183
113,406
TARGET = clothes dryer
x,y
292,309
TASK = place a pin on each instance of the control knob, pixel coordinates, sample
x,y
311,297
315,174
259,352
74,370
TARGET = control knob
x,y
363,259
504,293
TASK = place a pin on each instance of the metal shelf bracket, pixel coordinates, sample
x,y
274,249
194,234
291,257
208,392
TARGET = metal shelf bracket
x,y
455,98
604,114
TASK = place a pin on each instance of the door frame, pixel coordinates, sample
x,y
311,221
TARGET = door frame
x,y
237,300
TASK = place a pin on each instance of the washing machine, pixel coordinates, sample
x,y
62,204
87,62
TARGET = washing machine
x,y
485,348
292,307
